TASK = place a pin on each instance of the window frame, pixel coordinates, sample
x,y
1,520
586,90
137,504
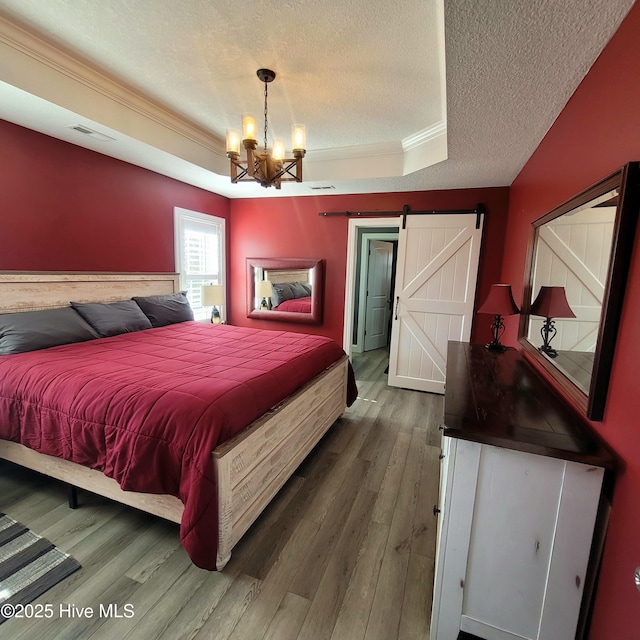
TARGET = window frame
x,y
181,219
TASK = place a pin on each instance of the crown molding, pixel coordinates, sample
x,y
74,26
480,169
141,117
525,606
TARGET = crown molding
x,y
44,69
425,136
55,59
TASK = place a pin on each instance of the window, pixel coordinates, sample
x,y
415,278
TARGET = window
x,y
200,257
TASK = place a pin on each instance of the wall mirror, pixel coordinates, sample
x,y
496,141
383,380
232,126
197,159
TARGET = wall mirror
x,y
285,289
574,287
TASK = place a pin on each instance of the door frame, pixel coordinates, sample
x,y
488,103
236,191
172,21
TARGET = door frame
x,y
350,278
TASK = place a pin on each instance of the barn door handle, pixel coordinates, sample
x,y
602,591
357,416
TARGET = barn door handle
x,y
397,303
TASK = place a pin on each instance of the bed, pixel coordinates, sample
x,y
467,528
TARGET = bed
x,y
237,466
291,290
296,305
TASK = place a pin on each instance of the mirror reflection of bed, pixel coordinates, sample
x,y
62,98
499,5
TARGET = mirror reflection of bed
x,y
290,289
285,289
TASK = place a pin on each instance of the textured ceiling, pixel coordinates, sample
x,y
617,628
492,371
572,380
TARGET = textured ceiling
x,y
365,77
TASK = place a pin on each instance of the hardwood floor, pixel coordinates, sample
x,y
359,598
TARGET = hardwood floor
x,y
344,552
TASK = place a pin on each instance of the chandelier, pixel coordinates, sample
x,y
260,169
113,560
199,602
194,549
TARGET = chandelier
x,y
269,169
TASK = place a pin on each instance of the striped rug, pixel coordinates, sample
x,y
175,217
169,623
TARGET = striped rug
x,y
29,564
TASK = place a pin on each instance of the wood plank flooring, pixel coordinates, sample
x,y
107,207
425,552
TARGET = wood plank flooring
x,y
344,552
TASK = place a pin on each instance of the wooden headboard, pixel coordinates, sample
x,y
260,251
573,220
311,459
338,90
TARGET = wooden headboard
x,y
278,276
29,291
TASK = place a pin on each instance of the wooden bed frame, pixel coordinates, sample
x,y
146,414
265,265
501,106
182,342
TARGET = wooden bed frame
x,y
250,468
278,276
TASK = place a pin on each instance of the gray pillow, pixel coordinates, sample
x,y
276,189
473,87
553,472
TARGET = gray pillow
x,y
288,291
299,290
111,319
166,309
33,330
280,293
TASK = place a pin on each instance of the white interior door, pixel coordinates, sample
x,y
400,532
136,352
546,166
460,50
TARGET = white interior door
x,y
436,275
378,291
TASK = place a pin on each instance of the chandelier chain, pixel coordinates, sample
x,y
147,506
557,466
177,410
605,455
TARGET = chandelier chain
x,y
265,116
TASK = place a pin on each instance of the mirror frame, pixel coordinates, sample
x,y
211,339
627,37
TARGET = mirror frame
x,y
317,293
627,180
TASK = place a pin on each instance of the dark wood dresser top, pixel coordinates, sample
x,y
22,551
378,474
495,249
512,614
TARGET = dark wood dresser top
x,y
499,399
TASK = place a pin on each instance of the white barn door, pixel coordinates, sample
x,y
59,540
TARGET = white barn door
x,y
436,277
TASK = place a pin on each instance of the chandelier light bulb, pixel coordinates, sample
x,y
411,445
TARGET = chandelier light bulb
x,y
299,136
249,128
233,142
278,150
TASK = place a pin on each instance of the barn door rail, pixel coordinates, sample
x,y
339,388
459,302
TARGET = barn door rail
x,y
406,211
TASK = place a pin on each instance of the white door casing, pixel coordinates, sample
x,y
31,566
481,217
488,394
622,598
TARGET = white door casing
x,y
378,291
355,225
436,274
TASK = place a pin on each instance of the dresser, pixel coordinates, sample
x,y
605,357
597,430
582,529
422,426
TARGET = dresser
x,y
521,518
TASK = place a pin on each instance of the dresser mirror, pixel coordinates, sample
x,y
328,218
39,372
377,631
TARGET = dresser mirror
x,y
285,289
574,287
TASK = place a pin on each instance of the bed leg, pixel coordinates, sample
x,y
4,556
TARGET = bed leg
x,y
72,494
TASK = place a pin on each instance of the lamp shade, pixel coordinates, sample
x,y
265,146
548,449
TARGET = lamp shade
x,y
233,141
264,289
552,303
500,301
249,128
299,136
212,295
277,152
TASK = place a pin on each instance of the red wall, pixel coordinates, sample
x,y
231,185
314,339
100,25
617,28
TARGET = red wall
x,y
63,208
291,227
597,132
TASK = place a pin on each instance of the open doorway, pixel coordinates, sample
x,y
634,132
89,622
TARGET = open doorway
x,y
437,260
372,250
375,276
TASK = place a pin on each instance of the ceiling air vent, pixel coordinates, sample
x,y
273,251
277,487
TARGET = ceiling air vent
x,y
330,186
90,132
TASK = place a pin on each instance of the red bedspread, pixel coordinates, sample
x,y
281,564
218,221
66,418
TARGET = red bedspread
x,y
147,408
297,305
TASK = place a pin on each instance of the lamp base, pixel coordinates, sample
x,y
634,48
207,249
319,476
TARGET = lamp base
x,y
497,329
548,332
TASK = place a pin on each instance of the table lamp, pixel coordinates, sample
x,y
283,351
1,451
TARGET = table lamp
x,y
498,303
213,296
550,303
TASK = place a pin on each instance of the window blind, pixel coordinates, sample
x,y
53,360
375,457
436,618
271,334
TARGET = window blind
x,y
199,255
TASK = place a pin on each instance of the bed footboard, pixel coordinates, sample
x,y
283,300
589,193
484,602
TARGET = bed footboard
x,y
252,467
